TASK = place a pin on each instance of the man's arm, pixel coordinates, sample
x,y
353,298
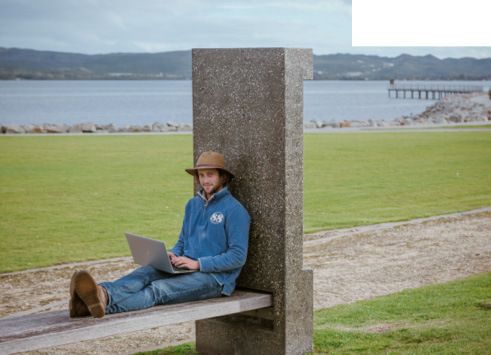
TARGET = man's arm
x,y
178,248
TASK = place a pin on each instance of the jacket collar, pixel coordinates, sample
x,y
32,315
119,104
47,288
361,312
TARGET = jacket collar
x,y
223,192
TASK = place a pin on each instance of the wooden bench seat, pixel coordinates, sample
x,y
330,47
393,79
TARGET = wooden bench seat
x,y
18,334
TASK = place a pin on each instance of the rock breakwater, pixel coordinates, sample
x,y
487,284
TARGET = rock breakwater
x,y
461,108
90,127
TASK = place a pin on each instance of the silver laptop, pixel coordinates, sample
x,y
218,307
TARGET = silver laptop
x,y
152,252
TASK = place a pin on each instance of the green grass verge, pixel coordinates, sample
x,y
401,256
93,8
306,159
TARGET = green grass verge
x,y
361,178
484,126
184,349
70,198
450,318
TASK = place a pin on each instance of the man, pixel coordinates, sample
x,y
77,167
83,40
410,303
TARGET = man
x,y
213,240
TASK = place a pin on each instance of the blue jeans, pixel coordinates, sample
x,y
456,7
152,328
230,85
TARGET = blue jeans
x,y
147,287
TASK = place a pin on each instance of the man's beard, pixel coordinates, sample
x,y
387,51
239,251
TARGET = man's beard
x,y
217,187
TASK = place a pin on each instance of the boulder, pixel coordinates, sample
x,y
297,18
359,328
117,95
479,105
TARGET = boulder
x,y
441,120
345,124
35,129
358,124
14,129
56,128
333,124
159,127
109,128
172,124
76,128
89,127
137,129
185,127
457,118
309,125
27,127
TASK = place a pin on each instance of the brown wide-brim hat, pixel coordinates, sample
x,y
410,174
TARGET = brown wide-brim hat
x,y
209,160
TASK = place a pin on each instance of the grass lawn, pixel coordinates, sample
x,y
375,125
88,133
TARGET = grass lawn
x,y
464,126
483,126
70,198
450,318
360,178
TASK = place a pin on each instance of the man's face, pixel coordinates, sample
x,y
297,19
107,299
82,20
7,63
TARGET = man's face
x,y
210,181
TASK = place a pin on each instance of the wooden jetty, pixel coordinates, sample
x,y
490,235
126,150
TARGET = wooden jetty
x,y
428,91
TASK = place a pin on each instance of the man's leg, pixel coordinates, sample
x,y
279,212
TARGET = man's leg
x,y
174,289
131,284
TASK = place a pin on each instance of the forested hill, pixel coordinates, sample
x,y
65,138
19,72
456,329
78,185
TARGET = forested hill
x,y
30,64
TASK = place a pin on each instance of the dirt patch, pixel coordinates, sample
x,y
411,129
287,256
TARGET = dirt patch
x,y
365,265
359,265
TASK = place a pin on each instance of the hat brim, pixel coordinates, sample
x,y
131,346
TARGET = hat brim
x,y
194,171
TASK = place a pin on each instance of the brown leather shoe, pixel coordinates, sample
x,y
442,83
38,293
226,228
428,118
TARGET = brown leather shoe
x,y
76,306
92,294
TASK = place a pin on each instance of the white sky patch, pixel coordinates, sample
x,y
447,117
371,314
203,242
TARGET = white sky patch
x,y
153,47
421,23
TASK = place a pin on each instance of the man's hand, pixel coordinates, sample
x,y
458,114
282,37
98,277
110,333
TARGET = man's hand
x,y
172,256
183,262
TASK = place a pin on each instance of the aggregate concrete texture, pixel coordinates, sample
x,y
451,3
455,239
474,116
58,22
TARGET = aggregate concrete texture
x,y
248,105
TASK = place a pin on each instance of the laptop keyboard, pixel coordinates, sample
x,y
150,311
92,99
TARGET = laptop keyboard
x,y
175,268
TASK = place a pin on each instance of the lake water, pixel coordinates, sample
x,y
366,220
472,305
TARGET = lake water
x,y
144,102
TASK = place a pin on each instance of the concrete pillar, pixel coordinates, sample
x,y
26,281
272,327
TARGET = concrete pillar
x,y
248,105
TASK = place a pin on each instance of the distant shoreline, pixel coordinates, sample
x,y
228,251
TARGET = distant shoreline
x,y
31,64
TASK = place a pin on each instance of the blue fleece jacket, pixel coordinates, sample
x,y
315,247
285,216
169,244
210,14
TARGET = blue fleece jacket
x,y
216,233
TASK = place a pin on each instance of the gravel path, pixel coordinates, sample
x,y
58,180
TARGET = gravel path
x,y
349,265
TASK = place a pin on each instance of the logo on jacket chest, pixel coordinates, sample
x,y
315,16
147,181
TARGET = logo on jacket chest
x,y
216,218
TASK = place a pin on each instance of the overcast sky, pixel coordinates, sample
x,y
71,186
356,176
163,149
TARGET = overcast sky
x,y
109,26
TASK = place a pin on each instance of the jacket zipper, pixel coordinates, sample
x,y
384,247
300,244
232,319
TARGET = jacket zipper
x,y
204,211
